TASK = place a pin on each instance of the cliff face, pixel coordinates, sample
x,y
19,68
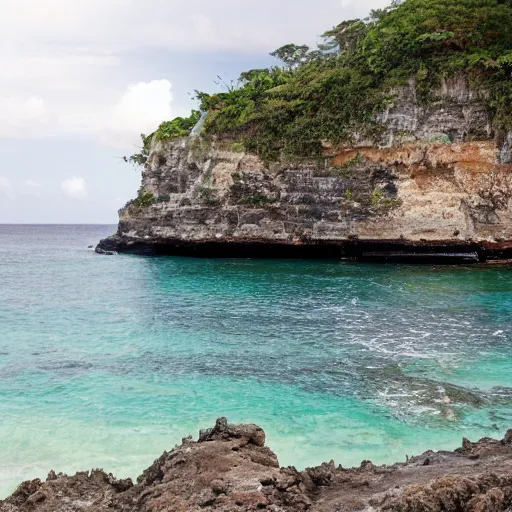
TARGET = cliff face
x,y
439,180
230,469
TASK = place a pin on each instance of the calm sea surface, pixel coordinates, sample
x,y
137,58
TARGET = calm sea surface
x,y
108,361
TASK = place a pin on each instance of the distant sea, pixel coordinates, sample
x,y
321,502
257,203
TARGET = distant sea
x,y
109,361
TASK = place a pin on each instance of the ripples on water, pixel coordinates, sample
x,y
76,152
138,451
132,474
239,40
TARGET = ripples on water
x,y
107,361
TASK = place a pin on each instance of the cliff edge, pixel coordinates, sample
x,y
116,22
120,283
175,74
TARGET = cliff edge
x,y
436,183
229,469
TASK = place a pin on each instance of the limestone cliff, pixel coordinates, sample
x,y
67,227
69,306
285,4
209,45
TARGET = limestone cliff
x,y
436,181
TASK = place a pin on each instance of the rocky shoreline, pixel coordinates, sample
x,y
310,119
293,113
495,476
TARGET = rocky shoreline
x,y
229,468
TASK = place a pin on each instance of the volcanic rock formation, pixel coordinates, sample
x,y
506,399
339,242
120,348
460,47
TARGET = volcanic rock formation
x,y
229,469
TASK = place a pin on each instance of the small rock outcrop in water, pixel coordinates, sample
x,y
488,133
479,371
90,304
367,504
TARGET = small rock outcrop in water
x,y
230,469
438,182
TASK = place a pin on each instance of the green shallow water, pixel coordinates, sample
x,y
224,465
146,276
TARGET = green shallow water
x,y
108,361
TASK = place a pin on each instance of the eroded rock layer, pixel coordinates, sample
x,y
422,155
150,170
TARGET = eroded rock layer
x,y
230,469
439,180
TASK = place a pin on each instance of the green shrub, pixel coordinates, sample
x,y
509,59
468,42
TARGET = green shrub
x,y
255,200
335,91
377,197
140,159
237,147
179,127
205,193
143,200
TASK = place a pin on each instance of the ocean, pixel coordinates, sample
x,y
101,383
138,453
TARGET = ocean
x,y
105,362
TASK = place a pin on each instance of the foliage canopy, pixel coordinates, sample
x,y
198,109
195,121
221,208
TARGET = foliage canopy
x,y
337,89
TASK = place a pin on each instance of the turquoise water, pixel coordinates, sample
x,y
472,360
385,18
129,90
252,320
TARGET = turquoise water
x,y
108,361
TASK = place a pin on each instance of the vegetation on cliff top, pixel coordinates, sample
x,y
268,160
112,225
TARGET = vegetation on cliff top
x,y
178,127
335,91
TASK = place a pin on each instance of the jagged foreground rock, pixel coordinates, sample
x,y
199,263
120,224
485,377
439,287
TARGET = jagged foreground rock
x,y
439,180
230,469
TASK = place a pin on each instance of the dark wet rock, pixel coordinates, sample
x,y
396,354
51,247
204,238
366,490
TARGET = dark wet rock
x,y
109,245
231,470
508,437
99,250
224,431
322,475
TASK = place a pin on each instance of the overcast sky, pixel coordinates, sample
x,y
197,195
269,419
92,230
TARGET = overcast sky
x,y
81,79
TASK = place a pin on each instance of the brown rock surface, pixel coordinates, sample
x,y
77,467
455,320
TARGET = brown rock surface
x,y
230,469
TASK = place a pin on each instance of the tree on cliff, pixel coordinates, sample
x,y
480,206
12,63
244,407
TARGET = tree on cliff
x,y
345,37
292,55
335,91
339,91
453,34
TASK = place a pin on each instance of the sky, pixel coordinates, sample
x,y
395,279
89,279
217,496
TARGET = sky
x,y
82,79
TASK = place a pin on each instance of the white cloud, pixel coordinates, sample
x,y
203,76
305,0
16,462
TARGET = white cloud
x,y
75,188
32,184
66,65
140,109
361,9
144,105
120,25
22,116
33,188
6,188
